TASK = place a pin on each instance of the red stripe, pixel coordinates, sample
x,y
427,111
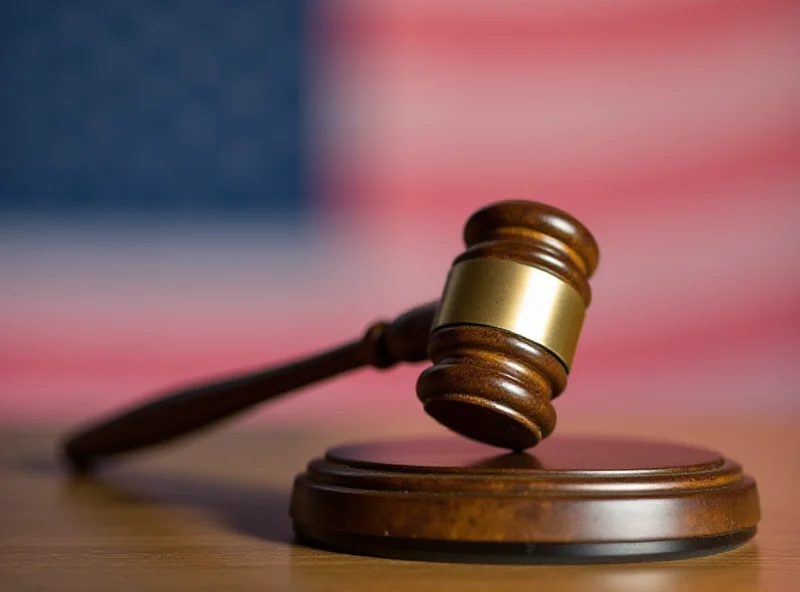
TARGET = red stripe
x,y
716,336
377,26
703,340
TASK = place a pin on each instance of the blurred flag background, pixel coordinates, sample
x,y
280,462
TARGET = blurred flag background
x,y
193,188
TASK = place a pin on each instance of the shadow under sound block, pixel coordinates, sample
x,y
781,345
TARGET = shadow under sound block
x,y
575,500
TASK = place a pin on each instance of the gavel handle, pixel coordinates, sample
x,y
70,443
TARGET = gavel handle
x,y
176,414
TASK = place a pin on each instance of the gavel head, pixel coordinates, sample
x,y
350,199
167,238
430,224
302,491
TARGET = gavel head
x,y
508,323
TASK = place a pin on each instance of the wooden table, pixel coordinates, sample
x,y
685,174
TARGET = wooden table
x,y
211,514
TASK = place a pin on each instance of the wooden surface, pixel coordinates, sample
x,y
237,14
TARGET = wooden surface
x,y
211,514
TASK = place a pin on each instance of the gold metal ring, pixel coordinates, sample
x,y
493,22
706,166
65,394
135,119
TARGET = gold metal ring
x,y
519,298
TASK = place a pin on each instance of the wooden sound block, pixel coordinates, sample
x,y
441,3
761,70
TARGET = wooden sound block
x,y
572,500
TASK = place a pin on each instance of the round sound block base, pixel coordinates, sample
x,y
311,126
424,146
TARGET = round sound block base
x,y
570,500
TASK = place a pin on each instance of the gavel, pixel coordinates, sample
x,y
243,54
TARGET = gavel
x,y
501,340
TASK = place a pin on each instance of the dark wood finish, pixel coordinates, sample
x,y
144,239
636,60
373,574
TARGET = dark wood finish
x,y
576,499
536,234
491,385
170,416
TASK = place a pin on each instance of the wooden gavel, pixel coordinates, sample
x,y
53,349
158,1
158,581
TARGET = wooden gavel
x,y
501,338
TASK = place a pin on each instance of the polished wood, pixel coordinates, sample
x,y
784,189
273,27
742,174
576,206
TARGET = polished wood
x,y
492,385
500,395
575,499
536,234
212,514
169,416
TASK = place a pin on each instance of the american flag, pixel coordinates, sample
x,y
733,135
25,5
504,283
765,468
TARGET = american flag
x,y
670,128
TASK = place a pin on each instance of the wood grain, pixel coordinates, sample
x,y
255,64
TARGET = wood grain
x,y
487,381
211,514
588,498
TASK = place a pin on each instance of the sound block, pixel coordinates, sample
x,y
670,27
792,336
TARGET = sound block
x,y
571,500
